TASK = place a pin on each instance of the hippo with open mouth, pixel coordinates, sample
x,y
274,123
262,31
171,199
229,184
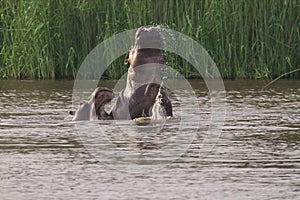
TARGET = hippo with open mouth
x,y
93,109
143,85
146,59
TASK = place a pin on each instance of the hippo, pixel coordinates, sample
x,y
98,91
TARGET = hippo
x,y
93,109
146,60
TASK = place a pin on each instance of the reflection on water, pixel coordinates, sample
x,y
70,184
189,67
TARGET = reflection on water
x,y
257,155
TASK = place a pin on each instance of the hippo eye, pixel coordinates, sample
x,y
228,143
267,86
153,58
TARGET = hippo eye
x,y
131,48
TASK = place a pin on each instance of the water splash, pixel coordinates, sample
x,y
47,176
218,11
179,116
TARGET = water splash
x,y
158,111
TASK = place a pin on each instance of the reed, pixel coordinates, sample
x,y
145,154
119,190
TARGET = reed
x,y
247,39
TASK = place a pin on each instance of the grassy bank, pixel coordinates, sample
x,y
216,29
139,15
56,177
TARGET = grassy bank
x,y
247,39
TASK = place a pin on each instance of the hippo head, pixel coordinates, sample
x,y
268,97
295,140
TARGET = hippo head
x,y
100,97
94,108
147,47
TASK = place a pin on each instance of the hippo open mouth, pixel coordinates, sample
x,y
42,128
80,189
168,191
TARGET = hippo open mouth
x,y
101,97
146,59
94,108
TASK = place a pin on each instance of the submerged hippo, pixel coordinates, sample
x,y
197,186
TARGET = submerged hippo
x,y
146,60
93,109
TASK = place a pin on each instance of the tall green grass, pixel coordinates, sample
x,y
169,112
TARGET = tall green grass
x,y
247,39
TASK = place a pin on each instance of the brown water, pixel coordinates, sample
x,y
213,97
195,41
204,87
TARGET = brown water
x,y
257,156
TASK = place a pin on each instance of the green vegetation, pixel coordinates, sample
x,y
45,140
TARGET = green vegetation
x,y
247,39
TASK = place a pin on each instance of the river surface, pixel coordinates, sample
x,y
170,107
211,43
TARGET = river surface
x,y
256,156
